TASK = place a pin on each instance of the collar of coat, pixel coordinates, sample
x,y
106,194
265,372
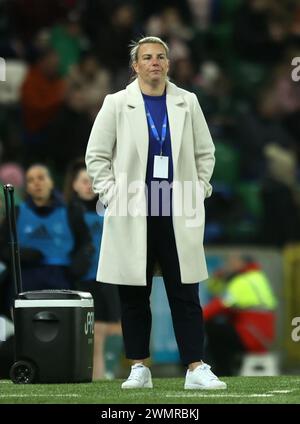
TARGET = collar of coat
x,y
177,108
135,98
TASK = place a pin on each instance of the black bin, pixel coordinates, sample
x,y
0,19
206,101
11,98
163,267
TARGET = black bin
x,y
54,337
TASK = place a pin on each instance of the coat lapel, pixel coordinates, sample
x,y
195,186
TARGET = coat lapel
x,y
176,115
138,121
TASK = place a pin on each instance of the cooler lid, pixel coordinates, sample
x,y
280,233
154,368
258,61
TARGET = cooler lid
x,y
54,295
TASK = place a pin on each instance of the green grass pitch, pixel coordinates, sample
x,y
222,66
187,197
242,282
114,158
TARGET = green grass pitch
x,y
241,390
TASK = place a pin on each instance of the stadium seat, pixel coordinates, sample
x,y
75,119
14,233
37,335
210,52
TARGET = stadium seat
x,y
264,364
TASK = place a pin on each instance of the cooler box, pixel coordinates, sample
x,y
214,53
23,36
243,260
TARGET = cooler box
x,y
54,334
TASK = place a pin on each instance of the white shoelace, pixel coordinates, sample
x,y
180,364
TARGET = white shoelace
x,y
206,367
135,374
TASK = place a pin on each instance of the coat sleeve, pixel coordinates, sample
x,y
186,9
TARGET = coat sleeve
x,y
204,147
100,151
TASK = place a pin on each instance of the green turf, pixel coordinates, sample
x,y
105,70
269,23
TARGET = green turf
x,y
284,389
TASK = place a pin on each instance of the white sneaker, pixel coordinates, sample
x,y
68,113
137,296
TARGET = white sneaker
x,y
203,378
139,378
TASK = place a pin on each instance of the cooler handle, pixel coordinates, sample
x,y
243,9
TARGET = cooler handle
x,y
45,316
14,245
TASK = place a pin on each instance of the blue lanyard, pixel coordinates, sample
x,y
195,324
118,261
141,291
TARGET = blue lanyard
x,y
154,130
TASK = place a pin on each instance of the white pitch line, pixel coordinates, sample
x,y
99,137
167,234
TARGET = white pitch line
x,y
36,395
281,391
222,395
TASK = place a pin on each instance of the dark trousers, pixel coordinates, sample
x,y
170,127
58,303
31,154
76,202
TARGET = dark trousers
x,y
224,348
183,299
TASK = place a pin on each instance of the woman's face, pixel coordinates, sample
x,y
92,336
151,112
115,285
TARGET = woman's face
x,y
39,184
83,187
152,64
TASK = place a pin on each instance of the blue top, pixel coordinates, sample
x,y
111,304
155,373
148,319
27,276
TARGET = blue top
x,y
50,234
157,107
46,229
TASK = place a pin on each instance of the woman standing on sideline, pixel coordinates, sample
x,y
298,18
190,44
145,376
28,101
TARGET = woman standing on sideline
x,y
107,330
153,135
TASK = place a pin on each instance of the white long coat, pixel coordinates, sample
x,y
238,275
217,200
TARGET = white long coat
x,y
116,157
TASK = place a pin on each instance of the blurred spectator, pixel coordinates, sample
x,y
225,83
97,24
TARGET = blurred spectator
x,y
155,7
69,131
174,25
29,16
94,80
259,126
287,97
262,30
295,25
68,41
241,316
96,13
55,246
10,133
170,26
281,197
42,95
201,12
213,90
111,41
216,98
11,45
12,173
286,92
183,73
42,92
107,332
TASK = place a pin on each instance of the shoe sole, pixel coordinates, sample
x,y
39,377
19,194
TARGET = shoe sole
x,y
146,386
200,387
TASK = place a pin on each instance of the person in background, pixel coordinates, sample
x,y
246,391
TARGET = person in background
x,y
69,130
68,40
42,95
55,246
280,187
241,316
107,331
94,80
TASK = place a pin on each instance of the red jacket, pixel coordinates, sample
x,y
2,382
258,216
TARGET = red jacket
x,y
41,99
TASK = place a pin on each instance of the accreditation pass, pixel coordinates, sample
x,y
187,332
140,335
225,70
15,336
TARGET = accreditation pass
x,y
161,166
